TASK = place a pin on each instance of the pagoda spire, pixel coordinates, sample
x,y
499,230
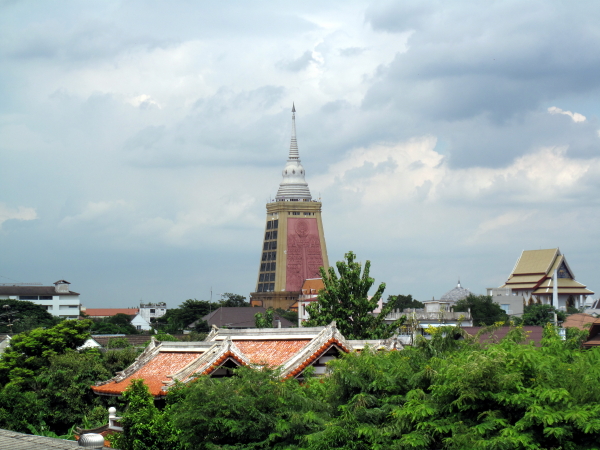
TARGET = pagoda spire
x,y
294,155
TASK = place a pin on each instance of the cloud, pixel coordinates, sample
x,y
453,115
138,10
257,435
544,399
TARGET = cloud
x,y
144,101
19,213
575,116
298,64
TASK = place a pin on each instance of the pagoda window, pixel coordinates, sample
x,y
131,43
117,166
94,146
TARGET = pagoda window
x,y
273,266
275,223
273,234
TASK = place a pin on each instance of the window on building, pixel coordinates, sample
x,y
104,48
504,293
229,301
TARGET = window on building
x,y
45,297
275,223
273,266
152,311
261,277
505,307
262,267
260,288
138,327
28,297
264,256
272,277
266,246
271,287
295,213
269,224
274,235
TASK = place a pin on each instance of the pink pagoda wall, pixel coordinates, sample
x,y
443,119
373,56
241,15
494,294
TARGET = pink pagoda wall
x,y
304,255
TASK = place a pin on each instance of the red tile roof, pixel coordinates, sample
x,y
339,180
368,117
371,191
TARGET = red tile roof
x,y
154,373
108,312
271,352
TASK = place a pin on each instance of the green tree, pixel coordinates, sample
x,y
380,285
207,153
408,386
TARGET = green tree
x,y
252,410
31,351
145,427
401,302
345,299
541,315
233,300
65,384
292,316
264,320
483,310
17,316
178,319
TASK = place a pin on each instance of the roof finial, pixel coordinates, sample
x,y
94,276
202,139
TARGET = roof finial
x,y
458,282
294,144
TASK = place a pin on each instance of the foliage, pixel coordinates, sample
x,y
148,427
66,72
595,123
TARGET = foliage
x,y
118,342
145,427
117,324
345,300
483,310
178,319
264,320
292,316
32,351
65,385
401,302
233,300
117,360
251,410
165,337
541,315
25,316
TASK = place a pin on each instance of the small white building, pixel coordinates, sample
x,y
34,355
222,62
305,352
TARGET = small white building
x,y
58,300
150,311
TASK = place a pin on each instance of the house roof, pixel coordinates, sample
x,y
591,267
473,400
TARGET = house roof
x,y
33,290
240,317
11,440
292,350
109,312
534,333
312,286
455,294
534,271
155,366
580,321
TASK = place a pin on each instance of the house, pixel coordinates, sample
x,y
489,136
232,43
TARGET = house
x,y
542,277
58,300
310,292
240,317
292,350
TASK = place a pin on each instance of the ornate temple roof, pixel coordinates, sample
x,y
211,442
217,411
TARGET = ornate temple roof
x,y
456,294
292,350
293,187
534,271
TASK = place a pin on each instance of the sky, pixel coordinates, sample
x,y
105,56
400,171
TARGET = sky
x,y
141,140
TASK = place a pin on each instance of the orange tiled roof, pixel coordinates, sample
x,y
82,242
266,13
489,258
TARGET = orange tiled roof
x,y
154,373
312,286
271,352
108,312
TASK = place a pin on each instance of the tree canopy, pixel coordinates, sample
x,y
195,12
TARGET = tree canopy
x,y
401,302
541,315
17,316
442,393
345,299
483,310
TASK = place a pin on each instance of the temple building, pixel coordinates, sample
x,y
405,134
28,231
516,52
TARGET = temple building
x,y
294,247
292,350
543,277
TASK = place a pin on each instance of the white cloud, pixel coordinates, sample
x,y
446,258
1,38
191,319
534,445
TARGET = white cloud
x,y
144,101
20,213
575,116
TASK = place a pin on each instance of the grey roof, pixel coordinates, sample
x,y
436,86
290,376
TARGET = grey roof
x,y
32,290
240,317
11,440
456,294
